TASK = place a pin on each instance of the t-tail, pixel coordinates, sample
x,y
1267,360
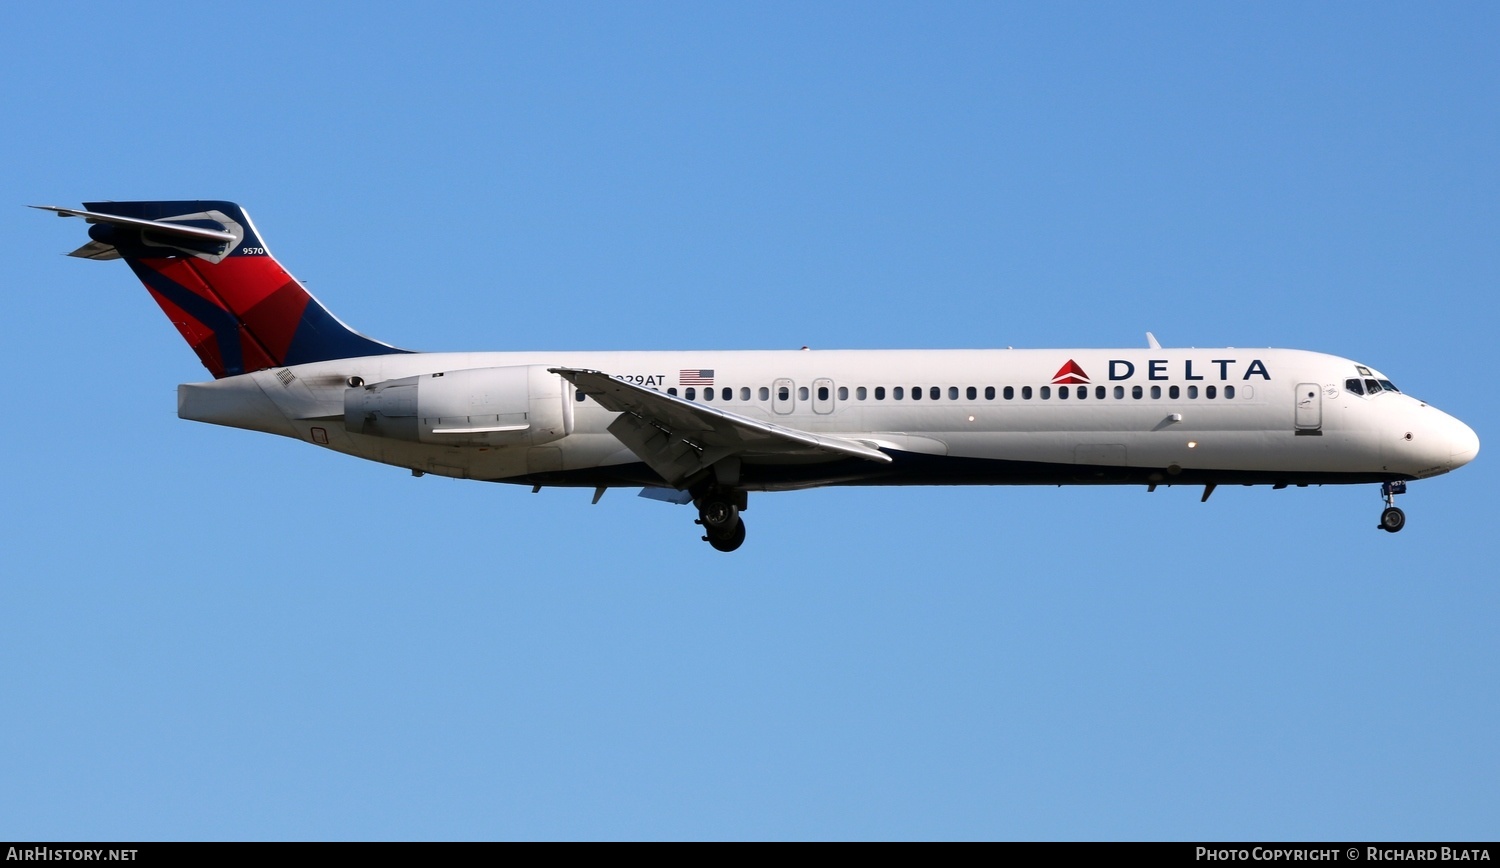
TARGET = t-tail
x,y
208,269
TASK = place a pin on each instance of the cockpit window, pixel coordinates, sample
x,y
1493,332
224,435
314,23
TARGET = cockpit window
x,y
1389,386
1354,387
1372,386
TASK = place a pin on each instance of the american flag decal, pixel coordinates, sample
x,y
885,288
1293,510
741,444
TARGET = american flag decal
x,y
695,377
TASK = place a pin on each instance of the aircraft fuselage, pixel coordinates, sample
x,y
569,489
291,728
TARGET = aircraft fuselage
x,y
1167,416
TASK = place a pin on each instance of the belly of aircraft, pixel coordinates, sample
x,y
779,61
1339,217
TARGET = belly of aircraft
x,y
909,468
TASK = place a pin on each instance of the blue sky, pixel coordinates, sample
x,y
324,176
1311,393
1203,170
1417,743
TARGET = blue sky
x,y
216,634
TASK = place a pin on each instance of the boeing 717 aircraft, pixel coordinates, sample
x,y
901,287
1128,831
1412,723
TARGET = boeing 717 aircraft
x,y
709,427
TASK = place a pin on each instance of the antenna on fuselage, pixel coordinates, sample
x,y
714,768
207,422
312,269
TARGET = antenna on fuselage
x,y
1152,342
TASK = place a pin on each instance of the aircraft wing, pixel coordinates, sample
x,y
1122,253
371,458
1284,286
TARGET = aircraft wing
x,y
679,438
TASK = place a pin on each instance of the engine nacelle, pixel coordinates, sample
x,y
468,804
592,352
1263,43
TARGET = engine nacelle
x,y
524,405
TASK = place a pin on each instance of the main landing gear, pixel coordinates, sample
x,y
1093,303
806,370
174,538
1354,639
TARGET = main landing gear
x,y
719,514
1392,518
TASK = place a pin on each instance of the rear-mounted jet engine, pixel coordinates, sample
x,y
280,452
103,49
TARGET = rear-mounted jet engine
x,y
523,405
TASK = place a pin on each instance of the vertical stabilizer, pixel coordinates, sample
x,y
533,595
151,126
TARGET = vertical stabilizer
x,y
207,267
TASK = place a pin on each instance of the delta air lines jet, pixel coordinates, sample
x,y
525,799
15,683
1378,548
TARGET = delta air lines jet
x,y
710,427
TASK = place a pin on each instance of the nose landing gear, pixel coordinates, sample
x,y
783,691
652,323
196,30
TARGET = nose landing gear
x,y
1392,518
719,514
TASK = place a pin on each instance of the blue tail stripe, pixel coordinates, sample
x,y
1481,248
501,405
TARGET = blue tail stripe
x,y
320,338
225,327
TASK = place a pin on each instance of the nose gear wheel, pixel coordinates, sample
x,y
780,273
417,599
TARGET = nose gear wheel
x,y
1392,519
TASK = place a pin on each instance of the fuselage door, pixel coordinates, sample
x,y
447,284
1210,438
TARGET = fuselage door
x,y
783,396
822,396
1309,407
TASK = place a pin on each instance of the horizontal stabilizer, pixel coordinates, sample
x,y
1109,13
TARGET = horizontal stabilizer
x,y
162,226
211,235
97,250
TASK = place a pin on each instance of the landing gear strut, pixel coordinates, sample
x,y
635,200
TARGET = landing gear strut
x,y
1392,519
719,514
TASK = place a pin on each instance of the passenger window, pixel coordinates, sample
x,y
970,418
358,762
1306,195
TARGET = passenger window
x,y
860,393
708,393
672,391
727,394
1119,392
1174,392
916,393
1354,386
971,393
1228,392
691,394
1155,392
937,393
1210,392
1026,393
1192,391
782,394
1137,392
1083,392
1062,394
880,393
1099,392
989,393
579,395
822,393
1046,392
744,393
843,393
1010,393
897,393
802,393
765,394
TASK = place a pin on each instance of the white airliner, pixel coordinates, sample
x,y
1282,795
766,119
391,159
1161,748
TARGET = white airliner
x,y
711,426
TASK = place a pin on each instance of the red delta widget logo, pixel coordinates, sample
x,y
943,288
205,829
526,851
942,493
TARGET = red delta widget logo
x,y
1156,369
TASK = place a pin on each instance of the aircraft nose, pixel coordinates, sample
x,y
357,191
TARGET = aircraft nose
x,y
1463,444
1428,442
